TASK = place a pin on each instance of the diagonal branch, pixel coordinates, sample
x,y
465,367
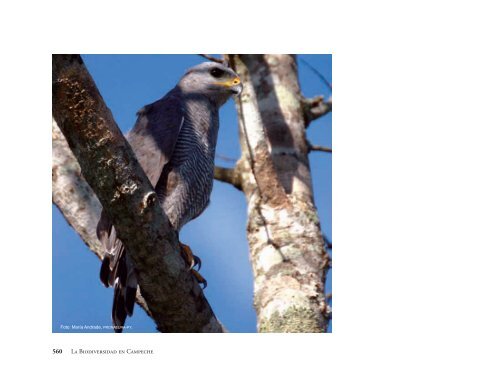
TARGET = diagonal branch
x,y
108,164
71,193
75,199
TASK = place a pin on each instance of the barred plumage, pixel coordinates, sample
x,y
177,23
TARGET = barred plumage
x,y
193,161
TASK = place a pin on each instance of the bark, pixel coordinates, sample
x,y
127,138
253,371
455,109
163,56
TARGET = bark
x,y
174,298
71,193
287,250
75,199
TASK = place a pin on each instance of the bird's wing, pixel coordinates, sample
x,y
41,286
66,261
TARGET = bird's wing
x,y
153,140
155,134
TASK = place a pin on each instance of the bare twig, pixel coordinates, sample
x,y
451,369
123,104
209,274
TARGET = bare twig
x,y
225,158
315,108
318,148
229,175
109,166
212,58
321,76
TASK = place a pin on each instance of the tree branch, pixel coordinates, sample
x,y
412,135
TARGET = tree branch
x,y
315,108
212,58
75,199
71,193
108,164
312,147
229,175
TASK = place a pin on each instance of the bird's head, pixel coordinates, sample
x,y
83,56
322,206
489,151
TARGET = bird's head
x,y
213,80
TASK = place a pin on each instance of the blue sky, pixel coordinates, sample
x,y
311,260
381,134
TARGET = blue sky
x,y
128,82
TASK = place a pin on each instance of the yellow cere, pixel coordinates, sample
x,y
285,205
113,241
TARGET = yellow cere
x,y
229,83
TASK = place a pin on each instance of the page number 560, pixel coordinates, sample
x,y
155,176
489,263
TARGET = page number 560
x,y
57,351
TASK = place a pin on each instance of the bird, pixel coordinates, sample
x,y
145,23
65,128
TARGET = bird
x,y
174,140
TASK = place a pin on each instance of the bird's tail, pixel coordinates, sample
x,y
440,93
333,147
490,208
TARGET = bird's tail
x,y
117,269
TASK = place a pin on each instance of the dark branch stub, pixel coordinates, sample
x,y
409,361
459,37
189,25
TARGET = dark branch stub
x,y
315,108
328,243
212,58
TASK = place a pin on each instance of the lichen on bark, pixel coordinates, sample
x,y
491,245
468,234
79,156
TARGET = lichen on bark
x,y
294,319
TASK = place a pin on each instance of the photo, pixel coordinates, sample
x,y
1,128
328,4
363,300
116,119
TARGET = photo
x,y
192,193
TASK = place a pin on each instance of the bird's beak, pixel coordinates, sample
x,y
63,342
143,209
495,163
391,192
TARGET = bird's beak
x,y
234,85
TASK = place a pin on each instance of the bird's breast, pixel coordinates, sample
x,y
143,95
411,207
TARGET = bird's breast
x,y
193,166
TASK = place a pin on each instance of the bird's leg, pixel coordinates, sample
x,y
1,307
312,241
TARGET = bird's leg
x,y
193,261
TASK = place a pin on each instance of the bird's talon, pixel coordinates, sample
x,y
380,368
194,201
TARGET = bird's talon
x,y
188,256
196,262
192,261
200,279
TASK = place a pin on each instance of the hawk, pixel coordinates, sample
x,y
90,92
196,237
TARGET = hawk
x,y
174,140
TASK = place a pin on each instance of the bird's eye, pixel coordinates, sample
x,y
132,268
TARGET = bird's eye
x,y
216,72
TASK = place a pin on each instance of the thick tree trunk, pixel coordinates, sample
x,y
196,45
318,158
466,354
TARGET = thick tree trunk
x,y
174,298
287,250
